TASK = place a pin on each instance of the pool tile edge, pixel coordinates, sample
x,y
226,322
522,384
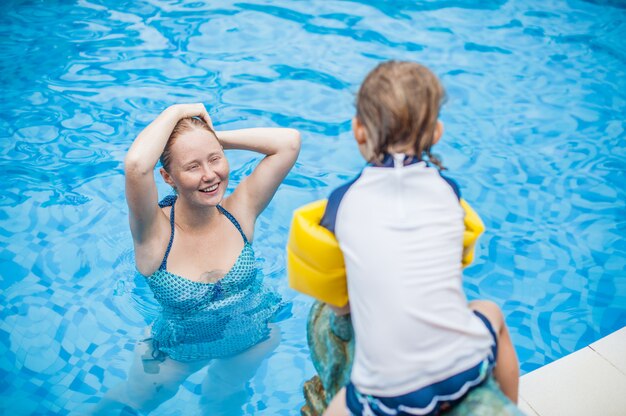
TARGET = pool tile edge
x,y
582,383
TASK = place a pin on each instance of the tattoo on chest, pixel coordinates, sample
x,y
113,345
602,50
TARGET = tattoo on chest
x,y
212,276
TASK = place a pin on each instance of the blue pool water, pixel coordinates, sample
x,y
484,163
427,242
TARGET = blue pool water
x,y
535,135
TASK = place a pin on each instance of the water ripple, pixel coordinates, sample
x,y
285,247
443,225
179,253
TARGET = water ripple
x,y
534,135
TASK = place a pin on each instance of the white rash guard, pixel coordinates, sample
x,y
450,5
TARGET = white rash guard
x,y
400,228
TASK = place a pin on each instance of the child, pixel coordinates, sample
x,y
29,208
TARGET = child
x,y
420,347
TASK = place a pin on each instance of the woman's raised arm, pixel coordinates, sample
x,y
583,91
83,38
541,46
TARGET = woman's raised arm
x,y
281,147
142,157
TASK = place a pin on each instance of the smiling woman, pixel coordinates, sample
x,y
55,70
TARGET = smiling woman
x,y
194,248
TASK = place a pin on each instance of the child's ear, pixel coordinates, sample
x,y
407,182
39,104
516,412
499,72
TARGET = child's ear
x,y
438,131
359,131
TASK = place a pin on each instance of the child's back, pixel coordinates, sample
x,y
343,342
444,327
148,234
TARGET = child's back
x,y
401,231
419,346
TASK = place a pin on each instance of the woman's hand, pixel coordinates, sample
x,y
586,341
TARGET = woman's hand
x,y
147,148
191,110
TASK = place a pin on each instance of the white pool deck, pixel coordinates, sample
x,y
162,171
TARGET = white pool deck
x,y
588,382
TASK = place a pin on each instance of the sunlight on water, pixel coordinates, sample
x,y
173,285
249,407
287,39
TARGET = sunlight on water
x,y
534,135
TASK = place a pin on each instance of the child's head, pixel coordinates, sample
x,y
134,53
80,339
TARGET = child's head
x,y
397,110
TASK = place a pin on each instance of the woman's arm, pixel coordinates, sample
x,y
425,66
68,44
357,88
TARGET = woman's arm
x,y
280,147
142,157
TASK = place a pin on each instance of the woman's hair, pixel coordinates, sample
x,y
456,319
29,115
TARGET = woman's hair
x,y
399,104
184,125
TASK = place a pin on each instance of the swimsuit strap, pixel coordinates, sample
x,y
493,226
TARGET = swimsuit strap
x,y
234,221
168,201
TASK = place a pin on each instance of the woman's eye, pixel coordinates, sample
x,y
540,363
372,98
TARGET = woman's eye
x,y
192,167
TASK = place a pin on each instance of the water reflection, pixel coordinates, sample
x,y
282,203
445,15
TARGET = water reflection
x,y
154,377
223,332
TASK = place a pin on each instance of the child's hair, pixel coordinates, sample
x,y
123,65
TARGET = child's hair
x,y
399,104
184,125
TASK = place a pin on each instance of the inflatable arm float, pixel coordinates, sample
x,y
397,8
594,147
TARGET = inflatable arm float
x,y
315,264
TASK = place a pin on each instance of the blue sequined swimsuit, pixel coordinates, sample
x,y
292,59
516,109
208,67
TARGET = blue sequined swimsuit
x,y
210,320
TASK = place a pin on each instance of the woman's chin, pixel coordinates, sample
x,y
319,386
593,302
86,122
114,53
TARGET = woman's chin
x,y
210,198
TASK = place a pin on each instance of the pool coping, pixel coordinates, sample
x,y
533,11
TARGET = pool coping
x,y
586,382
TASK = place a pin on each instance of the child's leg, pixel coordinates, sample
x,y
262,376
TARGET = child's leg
x,y
337,406
506,370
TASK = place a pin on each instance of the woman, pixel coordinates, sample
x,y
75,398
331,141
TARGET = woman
x,y
194,164
195,250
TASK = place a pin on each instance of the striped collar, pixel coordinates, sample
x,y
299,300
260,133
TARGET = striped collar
x,y
388,161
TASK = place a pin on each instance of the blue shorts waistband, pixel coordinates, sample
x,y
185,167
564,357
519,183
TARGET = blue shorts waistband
x,y
430,399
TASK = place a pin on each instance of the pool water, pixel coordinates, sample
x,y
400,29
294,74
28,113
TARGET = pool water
x,y
534,135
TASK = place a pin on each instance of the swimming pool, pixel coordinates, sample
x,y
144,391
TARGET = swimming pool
x,y
534,135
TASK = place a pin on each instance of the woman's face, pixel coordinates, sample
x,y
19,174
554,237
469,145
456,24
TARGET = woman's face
x,y
198,168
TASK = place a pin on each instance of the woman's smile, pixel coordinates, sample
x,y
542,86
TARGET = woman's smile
x,y
210,189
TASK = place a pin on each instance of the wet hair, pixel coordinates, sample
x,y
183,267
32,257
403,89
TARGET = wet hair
x,y
184,125
398,103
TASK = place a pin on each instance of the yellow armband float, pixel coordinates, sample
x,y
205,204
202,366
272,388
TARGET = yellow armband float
x,y
315,264
474,227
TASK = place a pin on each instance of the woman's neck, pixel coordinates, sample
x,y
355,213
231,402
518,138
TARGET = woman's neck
x,y
192,218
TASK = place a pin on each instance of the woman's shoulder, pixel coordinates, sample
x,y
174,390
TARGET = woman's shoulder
x,y
150,251
242,213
